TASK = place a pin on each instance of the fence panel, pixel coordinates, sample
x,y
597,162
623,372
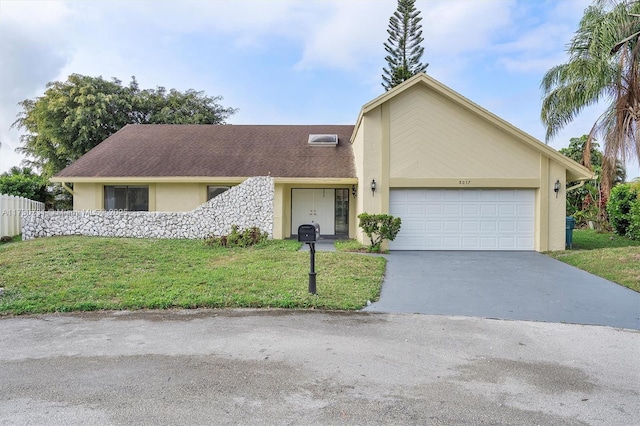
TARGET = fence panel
x,y
11,208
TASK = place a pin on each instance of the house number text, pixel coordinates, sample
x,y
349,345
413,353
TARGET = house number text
x,y
464,182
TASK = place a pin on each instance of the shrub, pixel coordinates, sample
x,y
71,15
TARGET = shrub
x,y
620,209
379,227
247,238
634,220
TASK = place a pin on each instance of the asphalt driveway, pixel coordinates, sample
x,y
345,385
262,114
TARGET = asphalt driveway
x,y
506,285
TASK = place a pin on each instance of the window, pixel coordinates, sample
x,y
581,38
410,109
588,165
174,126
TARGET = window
x,y
122,197
214,191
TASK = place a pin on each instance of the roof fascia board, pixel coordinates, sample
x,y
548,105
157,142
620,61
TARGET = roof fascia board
x,y
199,179
304,181
148,179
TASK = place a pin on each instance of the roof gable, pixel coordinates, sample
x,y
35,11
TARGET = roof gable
x,y
162,150
574,170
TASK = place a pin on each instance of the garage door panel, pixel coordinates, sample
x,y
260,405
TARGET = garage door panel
x,y
506,226
469,226
414,225
489,243
416,209
451,210
488,210
434,210
470,243
469,219
451,226
432,225
470,209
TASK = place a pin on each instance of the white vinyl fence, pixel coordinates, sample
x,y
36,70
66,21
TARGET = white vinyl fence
x,y
11,208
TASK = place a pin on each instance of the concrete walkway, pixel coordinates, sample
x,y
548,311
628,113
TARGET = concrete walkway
x,y
505,285
321,245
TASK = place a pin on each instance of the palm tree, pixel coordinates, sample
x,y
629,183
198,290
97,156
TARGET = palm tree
x,y
603,65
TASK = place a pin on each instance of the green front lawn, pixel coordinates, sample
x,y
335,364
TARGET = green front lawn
x,y
88,273
606,255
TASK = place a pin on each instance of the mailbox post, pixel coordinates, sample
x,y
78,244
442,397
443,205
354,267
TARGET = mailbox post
x,y
308,234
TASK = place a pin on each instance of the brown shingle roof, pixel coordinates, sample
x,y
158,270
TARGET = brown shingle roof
x,y
217,150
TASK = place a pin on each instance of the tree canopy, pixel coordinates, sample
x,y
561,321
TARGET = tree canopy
x,y
603,66
403,47
74,116
23,182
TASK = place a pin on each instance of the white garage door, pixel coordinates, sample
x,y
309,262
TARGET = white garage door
x,y
463,219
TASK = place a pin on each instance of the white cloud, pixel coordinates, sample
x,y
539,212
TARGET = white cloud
x,y
453,28
345,39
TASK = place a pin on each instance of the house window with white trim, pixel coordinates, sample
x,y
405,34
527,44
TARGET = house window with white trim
x,y
214,191
126,197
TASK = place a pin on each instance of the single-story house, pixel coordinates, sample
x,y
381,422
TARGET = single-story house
x,y
460,177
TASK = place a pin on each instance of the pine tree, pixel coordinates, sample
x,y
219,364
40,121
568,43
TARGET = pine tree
x,y
403,45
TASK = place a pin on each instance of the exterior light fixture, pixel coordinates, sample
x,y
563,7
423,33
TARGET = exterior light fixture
x,y
354,191
373,186
556,187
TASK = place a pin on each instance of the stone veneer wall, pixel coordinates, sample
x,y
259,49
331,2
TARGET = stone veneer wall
x,y
246,205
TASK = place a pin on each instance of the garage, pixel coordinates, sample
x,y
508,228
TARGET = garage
x,y
463,219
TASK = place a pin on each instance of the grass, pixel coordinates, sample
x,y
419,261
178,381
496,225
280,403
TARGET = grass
x,y
62,274
349,246
606,255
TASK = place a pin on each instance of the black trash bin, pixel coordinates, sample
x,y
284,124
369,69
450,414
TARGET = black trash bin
x,y
571,224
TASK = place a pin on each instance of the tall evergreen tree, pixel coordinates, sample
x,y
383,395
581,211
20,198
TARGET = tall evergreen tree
x,y
403,45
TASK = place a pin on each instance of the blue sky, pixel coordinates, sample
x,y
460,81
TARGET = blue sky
x,y
287,62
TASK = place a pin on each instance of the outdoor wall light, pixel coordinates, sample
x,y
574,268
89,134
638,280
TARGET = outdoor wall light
x,y
556,187
354,191
373,186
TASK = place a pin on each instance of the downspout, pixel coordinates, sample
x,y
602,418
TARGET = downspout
x,y
67,188
571,188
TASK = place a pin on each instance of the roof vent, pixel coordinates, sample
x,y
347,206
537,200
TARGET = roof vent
x,y
323,140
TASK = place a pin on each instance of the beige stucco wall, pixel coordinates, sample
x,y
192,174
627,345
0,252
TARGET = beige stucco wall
x,y
433,137
422,138
370,146
179,197
88,196
557,208
163,196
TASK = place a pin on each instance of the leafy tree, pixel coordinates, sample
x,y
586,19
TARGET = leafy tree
x,y
403,45
582,202
603,65
379,227
75,115
23,182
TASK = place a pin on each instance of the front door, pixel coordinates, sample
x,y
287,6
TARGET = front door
x,y
313,205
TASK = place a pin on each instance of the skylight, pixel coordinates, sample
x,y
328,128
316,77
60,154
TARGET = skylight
x,y
323,140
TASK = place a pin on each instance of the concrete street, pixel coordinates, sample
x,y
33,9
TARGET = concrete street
x,y
283,367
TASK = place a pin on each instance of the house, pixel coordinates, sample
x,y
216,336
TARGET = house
x,y
460,177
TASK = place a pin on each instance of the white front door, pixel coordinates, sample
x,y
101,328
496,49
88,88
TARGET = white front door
x,y
313,205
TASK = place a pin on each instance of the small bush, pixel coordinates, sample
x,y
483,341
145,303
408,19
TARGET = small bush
x,y
247,238
633,231
379,227
624,216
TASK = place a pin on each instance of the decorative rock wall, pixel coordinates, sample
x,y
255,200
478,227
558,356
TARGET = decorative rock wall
x,y
246,205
